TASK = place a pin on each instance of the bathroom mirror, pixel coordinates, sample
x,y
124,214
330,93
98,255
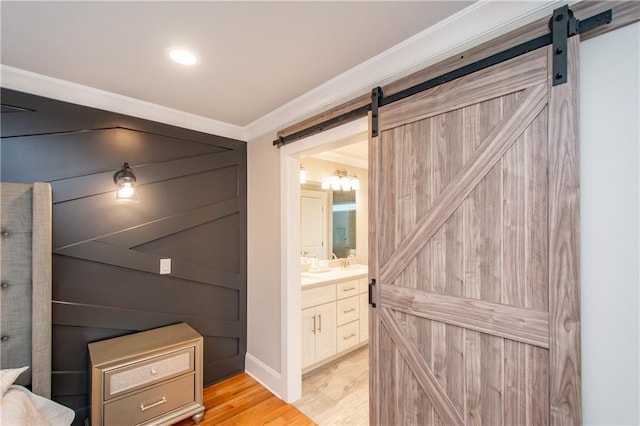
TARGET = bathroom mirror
x,y
327,222
343,226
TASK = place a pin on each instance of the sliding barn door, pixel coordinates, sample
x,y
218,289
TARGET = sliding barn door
x,y
474,228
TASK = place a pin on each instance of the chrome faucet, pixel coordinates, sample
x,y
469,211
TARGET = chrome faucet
x,y
333,256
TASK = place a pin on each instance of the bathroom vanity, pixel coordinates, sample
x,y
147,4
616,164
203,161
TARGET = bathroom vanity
x,y
334,314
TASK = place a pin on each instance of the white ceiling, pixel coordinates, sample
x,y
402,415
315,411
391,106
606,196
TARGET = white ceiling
x,y
352,151
254,56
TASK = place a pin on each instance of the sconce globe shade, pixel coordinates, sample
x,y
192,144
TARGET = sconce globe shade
x,y
126,191
125,182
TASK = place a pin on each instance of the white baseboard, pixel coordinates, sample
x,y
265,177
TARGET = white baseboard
x,y
265,375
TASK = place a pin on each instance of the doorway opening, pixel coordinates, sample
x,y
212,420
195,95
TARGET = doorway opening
x,y
344,227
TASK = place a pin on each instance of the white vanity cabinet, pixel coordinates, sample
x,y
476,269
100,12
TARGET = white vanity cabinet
x,y
318,333
334,319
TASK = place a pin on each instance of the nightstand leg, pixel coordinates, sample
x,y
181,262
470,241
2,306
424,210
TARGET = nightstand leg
x,y
197,417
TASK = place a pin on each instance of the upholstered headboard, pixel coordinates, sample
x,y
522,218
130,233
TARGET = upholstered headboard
x,y
25,276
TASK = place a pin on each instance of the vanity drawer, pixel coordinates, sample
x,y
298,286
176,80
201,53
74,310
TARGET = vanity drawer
x,y
347,289
149,403
348,310
145,373
348,335
318,296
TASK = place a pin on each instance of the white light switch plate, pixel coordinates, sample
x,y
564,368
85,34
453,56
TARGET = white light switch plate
x,y
165,266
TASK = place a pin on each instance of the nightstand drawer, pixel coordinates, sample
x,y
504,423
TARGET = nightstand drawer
x,y
149,403
145,373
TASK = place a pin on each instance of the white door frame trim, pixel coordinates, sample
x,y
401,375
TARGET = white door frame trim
x,y
291,314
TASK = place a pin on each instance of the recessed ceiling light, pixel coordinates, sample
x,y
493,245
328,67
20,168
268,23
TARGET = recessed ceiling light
x,y
182,56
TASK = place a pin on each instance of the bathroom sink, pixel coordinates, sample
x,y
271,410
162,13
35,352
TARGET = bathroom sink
x,y
336,273
357,267
319,270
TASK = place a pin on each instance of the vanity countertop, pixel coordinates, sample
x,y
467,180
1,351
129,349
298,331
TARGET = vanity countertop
x,y
333,275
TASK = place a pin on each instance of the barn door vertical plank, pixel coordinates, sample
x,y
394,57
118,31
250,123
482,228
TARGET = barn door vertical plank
x,y
447,245
482,269
564,246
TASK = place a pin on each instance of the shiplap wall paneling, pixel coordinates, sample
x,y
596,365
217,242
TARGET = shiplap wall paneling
x,y
190,207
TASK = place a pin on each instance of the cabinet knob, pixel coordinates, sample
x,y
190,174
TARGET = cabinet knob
x,y
154,371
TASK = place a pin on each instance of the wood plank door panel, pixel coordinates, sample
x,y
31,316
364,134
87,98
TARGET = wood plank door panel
x,y
474,237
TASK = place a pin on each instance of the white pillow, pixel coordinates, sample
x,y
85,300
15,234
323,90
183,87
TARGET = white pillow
x,y
9,375
56,414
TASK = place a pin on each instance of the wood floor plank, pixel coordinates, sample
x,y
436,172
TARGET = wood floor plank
x,y
240,400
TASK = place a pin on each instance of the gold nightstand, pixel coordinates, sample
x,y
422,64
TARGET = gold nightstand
x,y
149,378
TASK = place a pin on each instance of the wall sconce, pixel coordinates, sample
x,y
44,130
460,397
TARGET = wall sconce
x,y
340,180
303,174
125,182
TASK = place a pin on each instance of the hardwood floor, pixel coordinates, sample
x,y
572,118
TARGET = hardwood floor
x,y
338,394
241,400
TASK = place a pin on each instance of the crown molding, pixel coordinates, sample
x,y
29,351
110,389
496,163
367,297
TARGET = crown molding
x,y
42,85
474,25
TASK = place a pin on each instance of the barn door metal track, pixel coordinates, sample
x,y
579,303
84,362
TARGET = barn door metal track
x,y
562,25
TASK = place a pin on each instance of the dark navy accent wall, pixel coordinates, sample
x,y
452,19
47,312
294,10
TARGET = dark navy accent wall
x,y
191,207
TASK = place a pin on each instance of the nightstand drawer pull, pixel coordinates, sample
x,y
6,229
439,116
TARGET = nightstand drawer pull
x,y
154,371
155,404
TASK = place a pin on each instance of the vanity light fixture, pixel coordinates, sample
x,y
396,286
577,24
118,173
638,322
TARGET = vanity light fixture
x,y
355,182
340,180
125,182
303,174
